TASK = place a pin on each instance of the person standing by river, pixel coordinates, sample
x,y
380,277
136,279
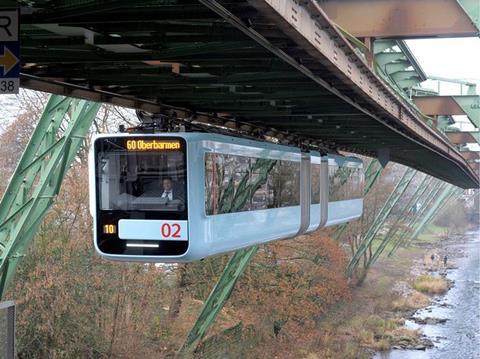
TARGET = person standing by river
x,y
445,259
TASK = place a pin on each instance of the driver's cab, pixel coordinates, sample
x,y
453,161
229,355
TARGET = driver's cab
x,y
140,183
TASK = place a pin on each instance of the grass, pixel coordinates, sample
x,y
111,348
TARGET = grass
x,y
432,234
374,319
430,285
416,300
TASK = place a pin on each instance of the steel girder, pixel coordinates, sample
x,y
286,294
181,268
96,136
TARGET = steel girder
x,y
178,52
378,222
38,176
217,298
406,18
468,105
397,65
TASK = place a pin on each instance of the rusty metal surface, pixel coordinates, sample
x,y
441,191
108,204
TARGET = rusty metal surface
x,y
283,68
438,105
400,19
471,155
311,29
460,137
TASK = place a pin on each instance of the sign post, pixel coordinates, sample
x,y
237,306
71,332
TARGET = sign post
x,y
9,52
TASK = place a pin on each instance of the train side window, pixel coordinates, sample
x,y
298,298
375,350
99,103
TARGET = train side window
x,y
315,175
238,183
345,183
289,183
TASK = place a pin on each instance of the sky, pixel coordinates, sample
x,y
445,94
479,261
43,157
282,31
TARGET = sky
x,y
457,58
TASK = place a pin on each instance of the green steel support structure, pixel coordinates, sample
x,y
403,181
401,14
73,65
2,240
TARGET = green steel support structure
x,y
372,174
430,200
38,177
217,298
396,225
378,222
447,194
439,203
413,221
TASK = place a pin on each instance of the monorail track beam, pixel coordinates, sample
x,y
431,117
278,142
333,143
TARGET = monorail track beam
x,y
37,179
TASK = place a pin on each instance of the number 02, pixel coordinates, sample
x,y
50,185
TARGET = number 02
x,y
167,230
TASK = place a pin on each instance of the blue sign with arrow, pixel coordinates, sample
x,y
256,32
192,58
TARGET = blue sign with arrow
x,y
9,52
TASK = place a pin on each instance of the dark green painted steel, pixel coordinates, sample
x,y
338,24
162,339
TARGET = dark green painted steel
x,y
181,53
443,197
440,201
400,226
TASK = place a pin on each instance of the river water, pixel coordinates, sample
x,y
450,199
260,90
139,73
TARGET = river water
x,y
459,337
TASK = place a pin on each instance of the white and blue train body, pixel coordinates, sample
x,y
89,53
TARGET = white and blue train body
x,y
180,197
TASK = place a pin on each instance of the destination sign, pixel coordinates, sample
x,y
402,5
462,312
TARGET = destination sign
x,y
152,145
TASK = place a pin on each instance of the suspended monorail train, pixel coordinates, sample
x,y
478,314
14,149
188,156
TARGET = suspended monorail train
x,y
181,197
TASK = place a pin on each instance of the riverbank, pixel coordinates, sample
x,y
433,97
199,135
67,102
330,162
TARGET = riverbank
x,y
380,316
452,321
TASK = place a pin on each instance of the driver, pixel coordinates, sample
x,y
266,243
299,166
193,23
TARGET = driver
x,y
168,188
171,192
168,191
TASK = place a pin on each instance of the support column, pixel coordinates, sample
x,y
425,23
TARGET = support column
x,y
439,204
38,177
396,225
415,218
382,216
217,299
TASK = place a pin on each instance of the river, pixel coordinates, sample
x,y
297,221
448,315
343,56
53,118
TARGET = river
x,y
459,336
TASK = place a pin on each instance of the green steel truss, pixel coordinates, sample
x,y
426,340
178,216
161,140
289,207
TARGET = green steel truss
x,y
396,226
439,203
443,197
415,217
472,9
217,298
378,222
38,176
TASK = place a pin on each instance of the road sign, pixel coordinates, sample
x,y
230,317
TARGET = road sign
x,y
9,52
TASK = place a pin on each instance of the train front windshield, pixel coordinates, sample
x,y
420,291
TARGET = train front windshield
x,y
139,178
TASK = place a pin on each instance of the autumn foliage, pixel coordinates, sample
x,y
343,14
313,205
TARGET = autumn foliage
x,y
74,304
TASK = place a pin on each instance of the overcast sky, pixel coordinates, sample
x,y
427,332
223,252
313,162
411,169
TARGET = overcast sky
x,y
457,58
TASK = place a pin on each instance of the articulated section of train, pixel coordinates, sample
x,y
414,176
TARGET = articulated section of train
x,y
179,197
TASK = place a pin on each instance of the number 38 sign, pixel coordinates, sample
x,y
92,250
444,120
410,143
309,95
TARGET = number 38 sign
x,y
9,52
153,230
